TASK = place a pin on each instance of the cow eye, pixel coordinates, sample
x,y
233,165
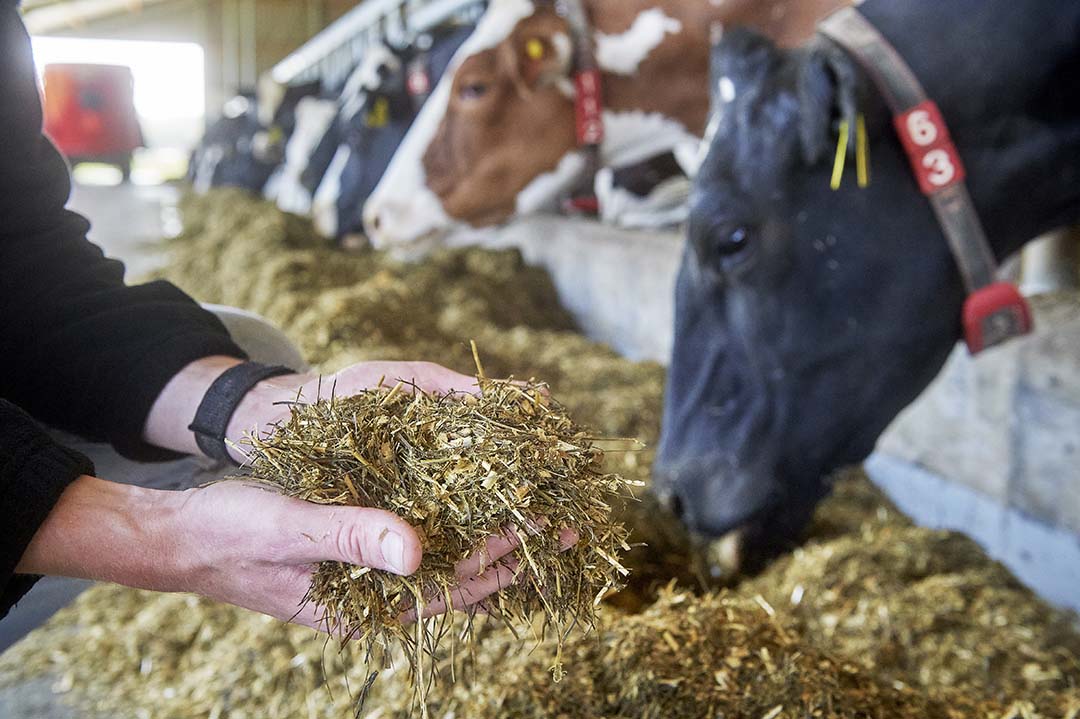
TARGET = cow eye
x,y
472,90
733,241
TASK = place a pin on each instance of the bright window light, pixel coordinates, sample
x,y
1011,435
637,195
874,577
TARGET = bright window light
x,y
168,75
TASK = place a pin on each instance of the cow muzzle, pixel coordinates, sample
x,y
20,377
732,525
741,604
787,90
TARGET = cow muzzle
x,y
739,519
417,221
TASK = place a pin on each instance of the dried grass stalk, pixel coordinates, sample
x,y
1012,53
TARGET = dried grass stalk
x,y
460,469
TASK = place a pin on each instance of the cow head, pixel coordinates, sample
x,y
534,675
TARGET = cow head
x,y
501,118
806,318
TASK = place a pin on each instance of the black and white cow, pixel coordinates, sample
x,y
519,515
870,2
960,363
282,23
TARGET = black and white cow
x,y
238,150
376,109
807,318
313,115
232,151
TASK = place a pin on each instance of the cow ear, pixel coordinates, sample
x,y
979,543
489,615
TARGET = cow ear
x,y
540,59
826,91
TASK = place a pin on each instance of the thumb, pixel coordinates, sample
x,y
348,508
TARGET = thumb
x,y
355,535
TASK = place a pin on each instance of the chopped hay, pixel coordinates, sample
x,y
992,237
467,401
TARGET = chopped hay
x,y
684,657
925,608
891,620
460,469
344,308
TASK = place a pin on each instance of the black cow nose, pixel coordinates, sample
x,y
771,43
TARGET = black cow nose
x,y
672,502
677,506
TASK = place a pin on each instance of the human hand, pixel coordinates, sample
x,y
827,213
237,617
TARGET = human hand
x,y
249,546
269,403
235,542
486,572
244,544
482,574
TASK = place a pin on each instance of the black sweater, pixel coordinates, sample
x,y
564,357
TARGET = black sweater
x,y
79,349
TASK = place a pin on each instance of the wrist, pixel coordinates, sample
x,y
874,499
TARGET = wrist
x,y
266,404
172,412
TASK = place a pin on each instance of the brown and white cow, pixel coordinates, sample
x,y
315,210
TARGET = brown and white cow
x,y
498,136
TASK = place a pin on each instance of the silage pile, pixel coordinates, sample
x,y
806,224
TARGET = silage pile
x,y
872,618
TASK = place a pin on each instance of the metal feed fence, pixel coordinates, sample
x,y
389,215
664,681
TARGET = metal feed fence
x,y
331,55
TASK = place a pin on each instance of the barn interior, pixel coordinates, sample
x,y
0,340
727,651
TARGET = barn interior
x,y
939,577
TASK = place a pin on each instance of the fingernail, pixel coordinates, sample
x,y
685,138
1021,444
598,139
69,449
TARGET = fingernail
x,y
393,551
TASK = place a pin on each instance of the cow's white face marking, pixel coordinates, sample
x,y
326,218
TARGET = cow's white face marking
x,y
392,213
544,190
313,117
726,88
564,49
402,209
624,53
324,210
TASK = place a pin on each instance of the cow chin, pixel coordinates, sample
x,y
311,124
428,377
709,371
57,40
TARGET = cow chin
x,y
749,547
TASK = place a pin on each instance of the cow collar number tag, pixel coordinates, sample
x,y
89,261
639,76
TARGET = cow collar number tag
x,y
994,312
588,108
418,81
933,156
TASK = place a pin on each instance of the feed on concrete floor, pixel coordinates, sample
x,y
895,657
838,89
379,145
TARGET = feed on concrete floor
x,y
873,617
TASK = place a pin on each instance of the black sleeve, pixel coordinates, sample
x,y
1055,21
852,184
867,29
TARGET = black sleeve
x,y
34,471
79,350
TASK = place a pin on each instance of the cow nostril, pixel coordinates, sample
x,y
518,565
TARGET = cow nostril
x,y
376,222
675,504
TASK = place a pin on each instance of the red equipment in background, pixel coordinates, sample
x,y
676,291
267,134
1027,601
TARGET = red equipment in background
x,y
90,113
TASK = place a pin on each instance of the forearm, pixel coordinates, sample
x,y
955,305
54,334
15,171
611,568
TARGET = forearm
x,y
108,532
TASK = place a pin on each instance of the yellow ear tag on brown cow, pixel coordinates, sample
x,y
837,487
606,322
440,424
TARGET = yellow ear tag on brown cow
x,y
534,49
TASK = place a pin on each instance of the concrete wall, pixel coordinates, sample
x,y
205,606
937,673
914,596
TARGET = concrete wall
x,y
1007,424
992,447
618,283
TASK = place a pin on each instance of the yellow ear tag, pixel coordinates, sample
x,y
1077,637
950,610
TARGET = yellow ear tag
x,y
534,49
379,115
862,151
841,156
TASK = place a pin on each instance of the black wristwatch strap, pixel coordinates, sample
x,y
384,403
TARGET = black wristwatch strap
x,y
220,402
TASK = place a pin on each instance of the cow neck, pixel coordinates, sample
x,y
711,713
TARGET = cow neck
x,y
588,101
994,311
